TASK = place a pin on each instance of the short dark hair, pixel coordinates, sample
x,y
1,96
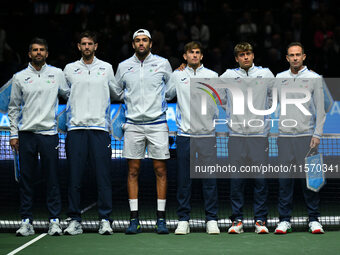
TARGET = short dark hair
x,y
193,45
88,34
296,44
37,40
242,46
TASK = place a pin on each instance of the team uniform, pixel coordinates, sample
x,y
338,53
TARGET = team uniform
x,y
294,142
144,86
247,142
88,121
191,135
32,113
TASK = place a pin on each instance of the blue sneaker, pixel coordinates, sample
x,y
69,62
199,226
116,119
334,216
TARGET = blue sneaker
x,y
161,226
134,227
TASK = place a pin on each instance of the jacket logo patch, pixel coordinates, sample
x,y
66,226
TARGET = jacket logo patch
x,y
238,79
285,82
50,79
100,73
28,80
77,71
185,80
154,65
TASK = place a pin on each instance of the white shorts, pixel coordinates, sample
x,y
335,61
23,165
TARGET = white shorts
x,y
139,138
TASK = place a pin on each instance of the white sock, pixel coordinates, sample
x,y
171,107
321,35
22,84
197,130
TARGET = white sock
x,y
161,204
133,204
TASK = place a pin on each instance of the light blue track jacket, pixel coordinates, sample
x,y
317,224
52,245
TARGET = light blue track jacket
x,y
34,100
91,87
144,84
199,125
304,125
261,81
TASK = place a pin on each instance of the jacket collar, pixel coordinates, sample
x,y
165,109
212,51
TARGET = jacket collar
x,y
148,57
191,70
299,72
32,68
250,70
93,62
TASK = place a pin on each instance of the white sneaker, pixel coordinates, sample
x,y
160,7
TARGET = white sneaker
x,y
26,228
54,228
183,228
260,227
212,228
315,227
236,227
105,228
74,228
283,227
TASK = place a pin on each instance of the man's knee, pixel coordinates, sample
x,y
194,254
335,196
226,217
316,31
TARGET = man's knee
x,y
134,166
160,168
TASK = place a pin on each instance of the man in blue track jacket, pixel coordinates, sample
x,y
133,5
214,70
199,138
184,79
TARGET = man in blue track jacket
x,y
32,113
91,84
193,137
248,144
143,79
295,142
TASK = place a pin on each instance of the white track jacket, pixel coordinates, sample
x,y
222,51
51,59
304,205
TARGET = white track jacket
x,y
34,100
144,84
303,125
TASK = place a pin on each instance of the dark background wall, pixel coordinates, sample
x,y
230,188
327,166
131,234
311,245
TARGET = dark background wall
x,y
218,24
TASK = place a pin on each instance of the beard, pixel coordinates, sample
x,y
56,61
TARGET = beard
x,y
39,62
88,56
142,54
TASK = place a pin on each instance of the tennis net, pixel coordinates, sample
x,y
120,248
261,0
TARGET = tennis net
x,y
9,191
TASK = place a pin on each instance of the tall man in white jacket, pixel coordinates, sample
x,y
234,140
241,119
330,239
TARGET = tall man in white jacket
x,y
248,144
88,118
295,142
193,134
32,113
143,78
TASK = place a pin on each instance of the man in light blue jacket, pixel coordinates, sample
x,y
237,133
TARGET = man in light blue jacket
x,y
195,135
143,78
248,144
32,114
91,83
296,139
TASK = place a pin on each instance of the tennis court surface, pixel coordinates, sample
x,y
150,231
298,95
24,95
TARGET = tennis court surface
x,y
197,242
193,243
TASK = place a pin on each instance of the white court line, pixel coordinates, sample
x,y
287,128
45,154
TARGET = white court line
x,y
43,235
27,244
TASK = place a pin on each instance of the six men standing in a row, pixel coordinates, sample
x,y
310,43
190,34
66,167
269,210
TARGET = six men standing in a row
x,y
145,82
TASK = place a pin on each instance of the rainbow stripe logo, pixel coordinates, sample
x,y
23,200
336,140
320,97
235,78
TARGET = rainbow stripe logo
x,y
209,93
